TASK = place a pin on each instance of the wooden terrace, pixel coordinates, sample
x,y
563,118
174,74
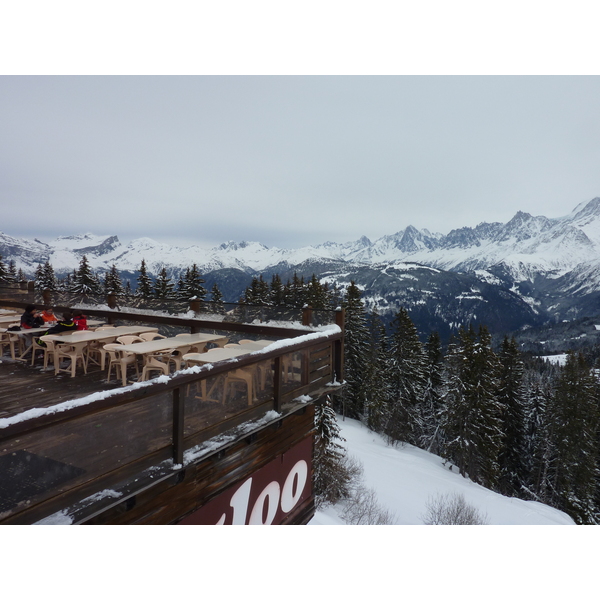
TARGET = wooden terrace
x,y
91,447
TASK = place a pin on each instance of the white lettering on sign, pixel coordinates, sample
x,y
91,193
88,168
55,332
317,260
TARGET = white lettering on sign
x,y
270,499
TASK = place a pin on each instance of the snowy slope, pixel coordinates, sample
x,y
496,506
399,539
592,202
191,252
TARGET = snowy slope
x,y
406,478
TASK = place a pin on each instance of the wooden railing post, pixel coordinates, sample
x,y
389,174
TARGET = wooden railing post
x,y
277,383
307,315
338,347
177,426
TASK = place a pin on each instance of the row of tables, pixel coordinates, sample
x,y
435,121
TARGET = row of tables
x,y
82,339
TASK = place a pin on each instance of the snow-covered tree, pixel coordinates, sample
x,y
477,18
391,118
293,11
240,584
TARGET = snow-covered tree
x,y
431,405
190,285
145,286
4,276
511,396
378,392
331,478
216,302
356,353
471,418
84,282
408,381
112,282
163,286
573,418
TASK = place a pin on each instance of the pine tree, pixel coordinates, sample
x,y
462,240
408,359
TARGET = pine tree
x,y
471,419
573,419
112,282
4,277
408,381
315,294
330,478
12,271
84,283
378,392
432,395
50,282
511,397
276,295
356,353
145,286
163,287
537,453
192,284
216,304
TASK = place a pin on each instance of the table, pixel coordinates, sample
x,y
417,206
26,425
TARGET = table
x,y
83,338
10,319
180,341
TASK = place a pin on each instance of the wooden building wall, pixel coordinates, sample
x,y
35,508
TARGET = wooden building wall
x,y
182,496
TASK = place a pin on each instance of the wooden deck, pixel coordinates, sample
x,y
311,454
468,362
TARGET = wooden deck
x,y
23,386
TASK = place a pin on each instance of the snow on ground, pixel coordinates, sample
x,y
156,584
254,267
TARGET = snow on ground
x,y
556,359
406,478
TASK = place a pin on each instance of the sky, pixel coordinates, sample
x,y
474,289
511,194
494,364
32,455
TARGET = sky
x,y
297,156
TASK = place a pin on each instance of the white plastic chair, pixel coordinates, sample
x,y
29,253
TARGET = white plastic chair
x,y
75,352
120,359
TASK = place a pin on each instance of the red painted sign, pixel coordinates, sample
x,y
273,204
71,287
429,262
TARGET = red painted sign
x,y
264,498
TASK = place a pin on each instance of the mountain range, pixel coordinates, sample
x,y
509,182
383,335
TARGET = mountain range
x,y
509,275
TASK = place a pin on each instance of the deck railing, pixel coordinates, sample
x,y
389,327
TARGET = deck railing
x,y
88,445
228,312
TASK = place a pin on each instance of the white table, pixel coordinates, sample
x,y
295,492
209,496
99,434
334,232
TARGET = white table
x,y
106,335
10,319
180,341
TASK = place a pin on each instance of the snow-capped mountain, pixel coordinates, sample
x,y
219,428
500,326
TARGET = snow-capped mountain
x,y
545,264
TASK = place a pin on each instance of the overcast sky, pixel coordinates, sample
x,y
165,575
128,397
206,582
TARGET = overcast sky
x,y
290,160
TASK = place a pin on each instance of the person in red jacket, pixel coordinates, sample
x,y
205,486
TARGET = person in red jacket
x,y
80,320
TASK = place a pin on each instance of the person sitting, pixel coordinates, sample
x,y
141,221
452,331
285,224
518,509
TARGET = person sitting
x,y
80,320
48,315
64,324
31,318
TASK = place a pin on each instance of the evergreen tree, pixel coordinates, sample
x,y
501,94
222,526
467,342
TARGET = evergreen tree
x,y
330,478
192,284
112,282
573,422
49,277
378,393
145,286
537,453
163,286
471,419
511,397
432,394
276,295
4,276
316,296
84,283
408,381
12,271
216,304
356,353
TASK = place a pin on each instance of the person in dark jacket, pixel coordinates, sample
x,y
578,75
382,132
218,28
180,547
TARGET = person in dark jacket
x,y
31,318
64,324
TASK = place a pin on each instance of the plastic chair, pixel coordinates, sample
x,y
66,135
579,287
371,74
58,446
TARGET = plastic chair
x,y
159,361
148,337
75,353
49,352
129,339
7,340
120,359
